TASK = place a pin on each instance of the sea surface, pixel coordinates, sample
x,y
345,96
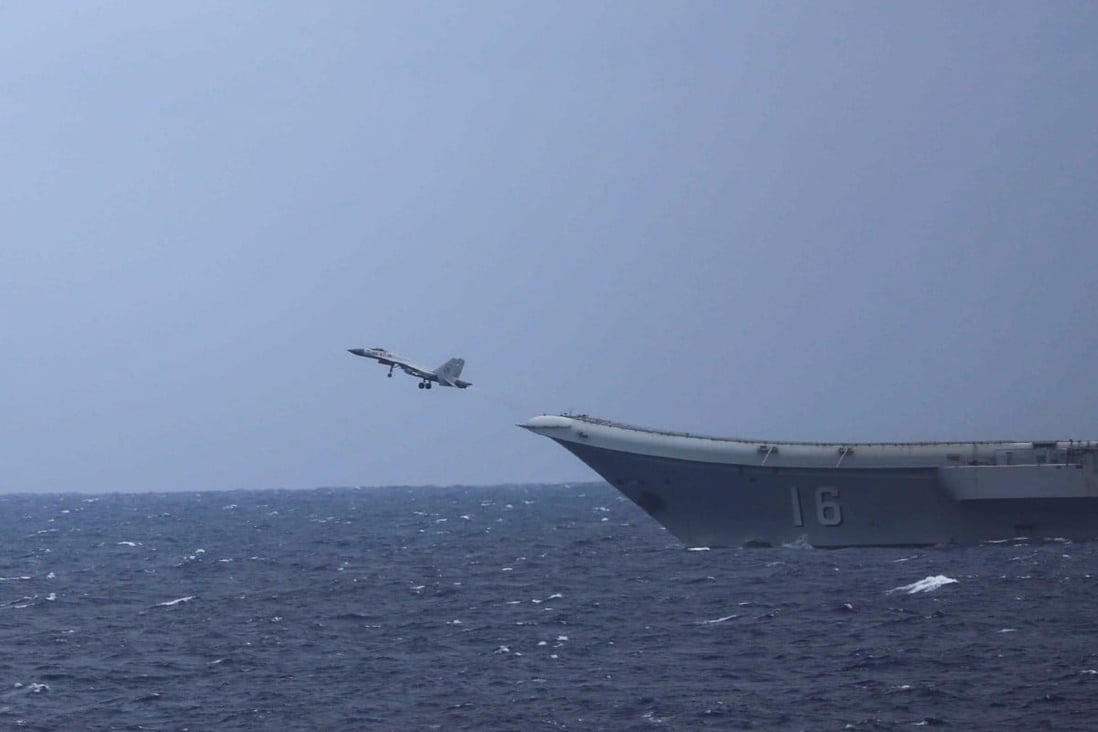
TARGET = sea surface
x,y
515,608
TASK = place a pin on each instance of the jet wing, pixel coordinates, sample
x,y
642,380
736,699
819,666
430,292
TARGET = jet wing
x,y
418,371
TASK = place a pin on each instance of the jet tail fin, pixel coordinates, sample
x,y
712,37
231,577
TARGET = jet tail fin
x,y
449,372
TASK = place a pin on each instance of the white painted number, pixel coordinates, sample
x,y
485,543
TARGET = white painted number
x,y
798,519
828,510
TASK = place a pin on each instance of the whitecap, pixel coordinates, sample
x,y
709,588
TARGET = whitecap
x,y
928,584
697,548
12,579
126,543
717,620
555,596
169,603
33,688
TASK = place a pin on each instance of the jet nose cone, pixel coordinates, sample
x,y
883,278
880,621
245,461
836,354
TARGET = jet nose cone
x,y
357,351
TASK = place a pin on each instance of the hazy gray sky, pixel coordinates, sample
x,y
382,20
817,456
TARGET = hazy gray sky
x,y
783,220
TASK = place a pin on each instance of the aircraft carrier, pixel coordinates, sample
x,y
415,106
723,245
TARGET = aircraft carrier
x,y
720,492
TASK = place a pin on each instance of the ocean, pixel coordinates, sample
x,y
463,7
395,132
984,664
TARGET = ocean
x,y
515,608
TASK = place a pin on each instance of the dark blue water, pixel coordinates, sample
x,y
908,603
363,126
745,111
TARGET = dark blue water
x,y
521,608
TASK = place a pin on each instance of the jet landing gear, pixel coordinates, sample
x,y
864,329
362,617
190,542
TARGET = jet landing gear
x,y
391,370
425,384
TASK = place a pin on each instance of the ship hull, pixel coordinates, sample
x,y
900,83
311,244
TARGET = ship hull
x,y
725,502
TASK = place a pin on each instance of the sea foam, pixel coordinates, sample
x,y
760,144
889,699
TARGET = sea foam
x,y
925,585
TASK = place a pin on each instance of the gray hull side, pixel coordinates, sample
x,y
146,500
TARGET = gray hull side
x,y
712,504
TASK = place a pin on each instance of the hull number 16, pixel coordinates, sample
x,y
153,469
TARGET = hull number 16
x,y
828,510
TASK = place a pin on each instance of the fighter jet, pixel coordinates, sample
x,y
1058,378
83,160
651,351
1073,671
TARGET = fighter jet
x,y
445,375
